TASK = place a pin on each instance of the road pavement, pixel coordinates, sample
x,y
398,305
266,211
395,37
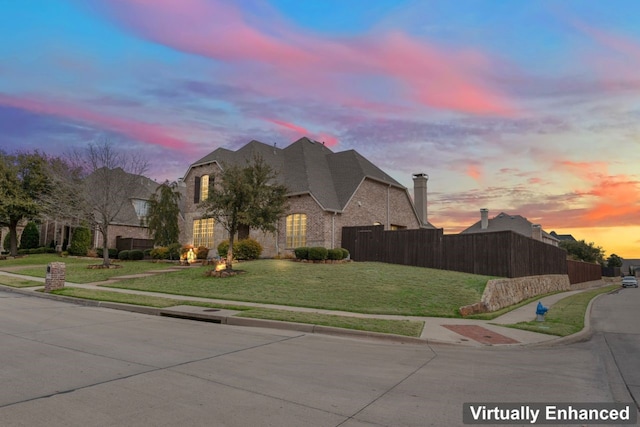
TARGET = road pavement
x,y
70,365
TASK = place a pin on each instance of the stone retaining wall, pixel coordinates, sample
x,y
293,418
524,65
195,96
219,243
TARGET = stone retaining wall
x,y
500,293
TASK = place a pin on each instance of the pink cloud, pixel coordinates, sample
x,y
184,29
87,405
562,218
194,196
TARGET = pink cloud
x,y
474,171
294,62
145,132
611,199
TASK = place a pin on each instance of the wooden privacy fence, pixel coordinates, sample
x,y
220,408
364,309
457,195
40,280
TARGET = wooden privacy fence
x,y
128,243
583,271
502,253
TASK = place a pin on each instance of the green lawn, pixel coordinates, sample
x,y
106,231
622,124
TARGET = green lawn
x,y
397,327
17,282
356,287
565,317
376,288
76,268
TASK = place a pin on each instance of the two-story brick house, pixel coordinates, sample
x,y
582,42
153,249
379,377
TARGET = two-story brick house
x,y
327,191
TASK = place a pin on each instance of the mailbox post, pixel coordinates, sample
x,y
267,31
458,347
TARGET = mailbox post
x,y
55,278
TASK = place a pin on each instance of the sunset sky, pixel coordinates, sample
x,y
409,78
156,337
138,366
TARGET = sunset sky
x,y
527,107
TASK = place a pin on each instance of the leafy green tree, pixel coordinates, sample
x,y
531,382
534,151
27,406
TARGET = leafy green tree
x,y
246,196
582,251
162,217
30,238
80,241
23,184
614,261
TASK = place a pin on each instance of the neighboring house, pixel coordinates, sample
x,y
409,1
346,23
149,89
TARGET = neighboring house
x,y
327,191
130,222
516,223
630,266
563,237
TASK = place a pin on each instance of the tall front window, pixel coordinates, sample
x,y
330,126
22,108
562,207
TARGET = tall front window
x,y
203,232
296,230
204,187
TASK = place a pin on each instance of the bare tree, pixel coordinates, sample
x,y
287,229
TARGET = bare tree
x,y
110,178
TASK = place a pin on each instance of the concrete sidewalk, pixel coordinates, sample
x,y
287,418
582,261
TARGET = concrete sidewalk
x,y
468,332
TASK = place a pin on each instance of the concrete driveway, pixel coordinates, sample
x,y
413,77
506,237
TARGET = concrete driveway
x,y
68,365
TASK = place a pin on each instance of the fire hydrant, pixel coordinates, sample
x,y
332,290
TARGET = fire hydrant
x,y
541,311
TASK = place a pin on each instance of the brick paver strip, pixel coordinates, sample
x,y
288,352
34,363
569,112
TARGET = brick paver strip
x,y
480,334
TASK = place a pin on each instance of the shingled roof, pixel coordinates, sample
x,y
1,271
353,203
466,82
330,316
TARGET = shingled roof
x,y
308,166
506,222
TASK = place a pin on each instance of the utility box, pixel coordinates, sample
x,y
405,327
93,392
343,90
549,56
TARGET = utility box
x,y
56,272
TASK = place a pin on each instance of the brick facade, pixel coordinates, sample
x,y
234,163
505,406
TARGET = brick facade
x,y
373,202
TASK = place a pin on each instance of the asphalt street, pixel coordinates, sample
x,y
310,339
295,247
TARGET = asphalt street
x,y
63,364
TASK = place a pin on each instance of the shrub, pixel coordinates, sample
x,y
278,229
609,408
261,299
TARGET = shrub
x,y
247,249
334,254
345,253
136,255
223,248
113,253
301,252
175,250
30,238
80,241
147,252
161,252
123,255
318,253
202,252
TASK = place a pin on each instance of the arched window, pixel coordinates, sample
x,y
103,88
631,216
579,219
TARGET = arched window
x,y
296,230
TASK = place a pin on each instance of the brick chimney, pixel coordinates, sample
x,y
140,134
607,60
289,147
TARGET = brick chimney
x,y
420,196
536,232
484,218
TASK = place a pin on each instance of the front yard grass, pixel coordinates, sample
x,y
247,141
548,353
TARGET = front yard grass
x,y
565,317
76,268
397,327
18,282
362,287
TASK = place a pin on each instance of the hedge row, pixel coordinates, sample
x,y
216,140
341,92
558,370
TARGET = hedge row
x,y
318,253
42,250
133,255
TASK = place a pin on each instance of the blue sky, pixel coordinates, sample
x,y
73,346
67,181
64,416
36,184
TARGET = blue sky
x,y
528,107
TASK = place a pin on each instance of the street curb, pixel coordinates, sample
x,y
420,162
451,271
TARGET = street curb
x,y
229,320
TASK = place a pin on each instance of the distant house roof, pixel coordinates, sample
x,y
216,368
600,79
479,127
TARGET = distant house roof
x,y
308,166
141,190
506,222
562,237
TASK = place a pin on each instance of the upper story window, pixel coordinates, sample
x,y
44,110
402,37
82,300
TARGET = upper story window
x,y
296,230
141,207
201,188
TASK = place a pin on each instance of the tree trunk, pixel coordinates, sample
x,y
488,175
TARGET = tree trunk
x,y
105,247
228,264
